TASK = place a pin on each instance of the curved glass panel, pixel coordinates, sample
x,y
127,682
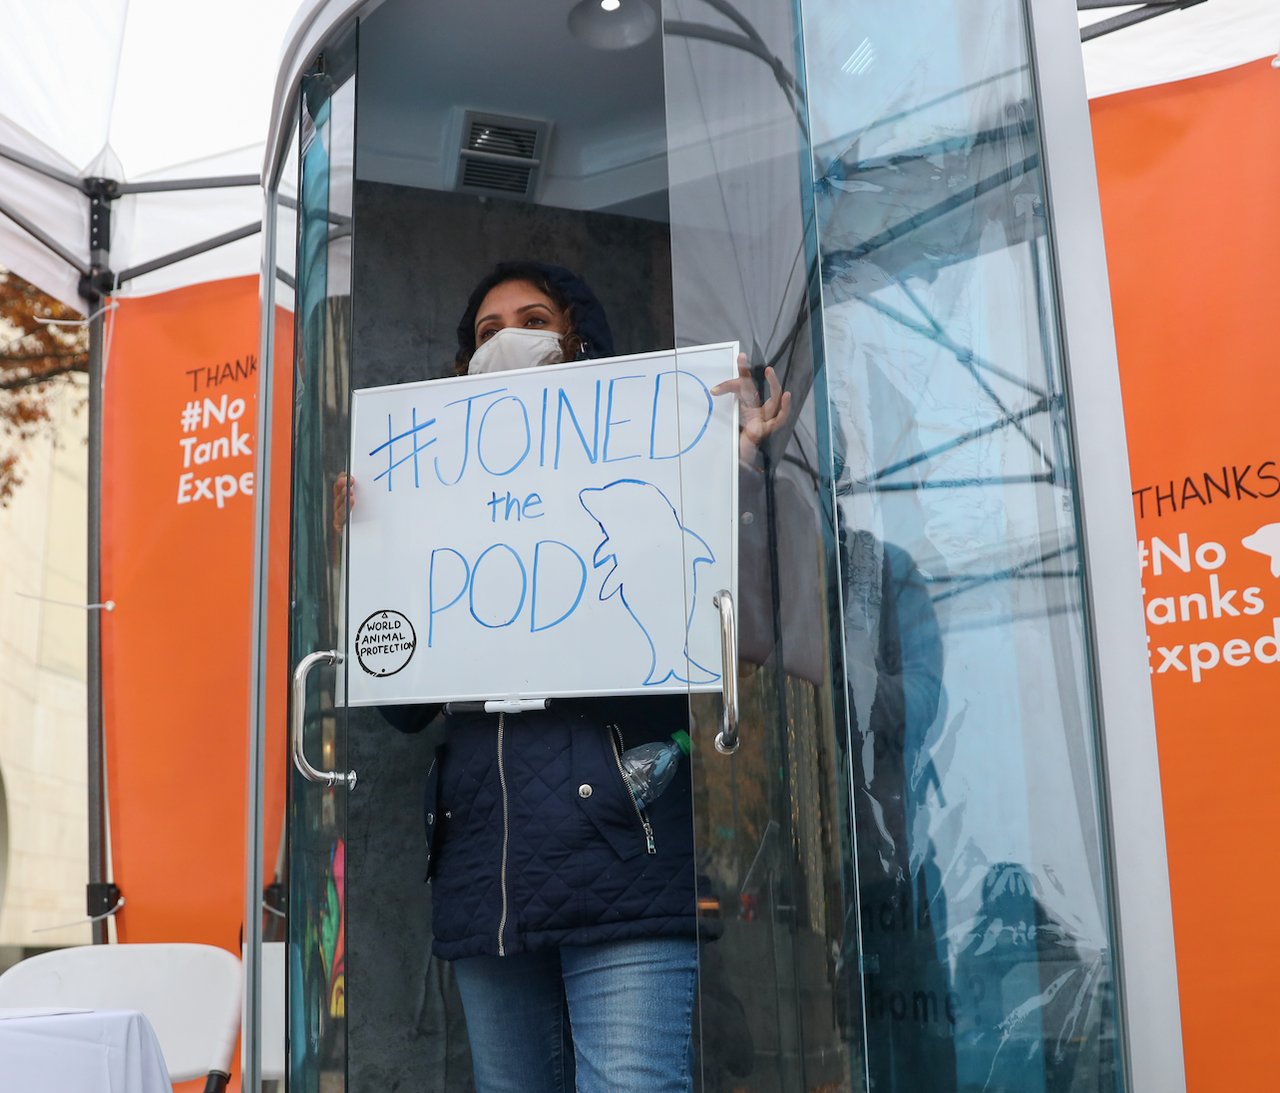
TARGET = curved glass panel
x,y
271,828
901,870
907,846
961,575
777,991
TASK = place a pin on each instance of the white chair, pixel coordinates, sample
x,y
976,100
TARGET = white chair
x,y
190,994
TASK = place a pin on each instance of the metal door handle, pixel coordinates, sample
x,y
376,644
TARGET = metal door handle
x,y
727,737
300,673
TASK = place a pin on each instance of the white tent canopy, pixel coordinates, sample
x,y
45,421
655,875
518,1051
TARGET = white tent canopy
x,y
138,91
146,91
1209,37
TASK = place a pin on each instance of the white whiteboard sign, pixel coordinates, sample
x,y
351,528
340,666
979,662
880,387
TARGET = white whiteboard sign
x,y
544,533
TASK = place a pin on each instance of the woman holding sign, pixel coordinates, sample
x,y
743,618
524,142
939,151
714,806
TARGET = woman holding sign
x,y
565,903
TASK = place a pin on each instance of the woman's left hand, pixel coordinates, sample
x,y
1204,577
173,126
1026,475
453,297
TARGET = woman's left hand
x,y
756,419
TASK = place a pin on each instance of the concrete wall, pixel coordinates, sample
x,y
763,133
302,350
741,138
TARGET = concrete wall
x,y
43,825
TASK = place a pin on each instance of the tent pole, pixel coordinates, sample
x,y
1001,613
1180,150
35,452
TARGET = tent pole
x,y
102,896
177,184
43,237
1129,18
45,169
188,252
93,672
258,658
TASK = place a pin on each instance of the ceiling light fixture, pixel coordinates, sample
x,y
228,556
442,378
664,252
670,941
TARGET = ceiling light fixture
x,y
612,24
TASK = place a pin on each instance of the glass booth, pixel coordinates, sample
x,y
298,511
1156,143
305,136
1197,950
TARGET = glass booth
x,y
911,867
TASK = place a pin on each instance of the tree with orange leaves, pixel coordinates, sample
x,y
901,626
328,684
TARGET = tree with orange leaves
x,y
37,352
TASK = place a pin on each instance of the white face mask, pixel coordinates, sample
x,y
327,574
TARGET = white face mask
x,y
514,347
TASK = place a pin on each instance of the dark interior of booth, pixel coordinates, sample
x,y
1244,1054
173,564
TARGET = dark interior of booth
x,y
424,233
497,131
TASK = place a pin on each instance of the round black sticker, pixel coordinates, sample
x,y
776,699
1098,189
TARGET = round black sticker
x,y
385,643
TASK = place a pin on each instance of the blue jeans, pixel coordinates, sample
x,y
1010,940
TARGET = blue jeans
x,y
610,1018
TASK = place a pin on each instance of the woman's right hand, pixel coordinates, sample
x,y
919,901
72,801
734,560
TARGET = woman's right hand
x,y
344,500
756,420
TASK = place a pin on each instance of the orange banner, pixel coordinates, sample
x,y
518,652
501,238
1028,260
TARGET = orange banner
x,y
179,452
1190,181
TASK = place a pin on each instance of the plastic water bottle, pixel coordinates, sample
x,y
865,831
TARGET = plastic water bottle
x,y
649,769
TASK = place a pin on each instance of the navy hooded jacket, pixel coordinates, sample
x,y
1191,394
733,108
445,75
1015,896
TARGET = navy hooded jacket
x,y
534,839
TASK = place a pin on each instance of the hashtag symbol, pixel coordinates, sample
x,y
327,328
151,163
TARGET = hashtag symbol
x,y
1143,554
418,446
191,416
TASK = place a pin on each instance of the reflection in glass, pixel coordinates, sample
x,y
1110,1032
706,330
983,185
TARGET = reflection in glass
x,y
775,851
950,442
906,852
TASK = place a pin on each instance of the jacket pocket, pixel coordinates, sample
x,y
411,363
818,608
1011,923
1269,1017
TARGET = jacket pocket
x,y
603,794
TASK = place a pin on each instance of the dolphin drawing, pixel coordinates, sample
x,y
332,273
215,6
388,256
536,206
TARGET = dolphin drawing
x,y
634,517
1266,540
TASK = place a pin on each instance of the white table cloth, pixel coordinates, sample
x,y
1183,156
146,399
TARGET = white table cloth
x,y
50,1050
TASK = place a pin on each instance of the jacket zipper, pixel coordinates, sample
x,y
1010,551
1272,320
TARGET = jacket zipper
x,y
644,822
506,836
427,878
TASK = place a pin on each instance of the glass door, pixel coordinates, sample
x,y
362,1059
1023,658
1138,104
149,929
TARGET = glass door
x,y
779,979
903,867
317,810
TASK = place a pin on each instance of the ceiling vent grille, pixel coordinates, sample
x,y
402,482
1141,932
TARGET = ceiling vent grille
x,y
500,155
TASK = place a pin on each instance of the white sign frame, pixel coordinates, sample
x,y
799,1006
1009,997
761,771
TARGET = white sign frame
x,y
617,476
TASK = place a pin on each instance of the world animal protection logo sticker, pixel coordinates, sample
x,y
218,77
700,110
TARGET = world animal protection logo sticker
x,y
385,643
1212,604
543,533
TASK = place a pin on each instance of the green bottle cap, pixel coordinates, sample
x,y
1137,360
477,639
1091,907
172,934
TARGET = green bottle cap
x,y
682,739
